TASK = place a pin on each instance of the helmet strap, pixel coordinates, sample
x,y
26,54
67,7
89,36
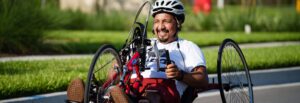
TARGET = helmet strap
x,y
178,24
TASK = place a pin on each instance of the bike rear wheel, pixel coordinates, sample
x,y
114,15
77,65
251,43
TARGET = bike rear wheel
x,y
103,73
233,74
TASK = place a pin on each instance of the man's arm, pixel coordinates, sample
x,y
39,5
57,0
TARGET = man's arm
x,y
197,78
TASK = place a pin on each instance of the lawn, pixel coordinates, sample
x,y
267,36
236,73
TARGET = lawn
x,y
88,41
21,78
261,58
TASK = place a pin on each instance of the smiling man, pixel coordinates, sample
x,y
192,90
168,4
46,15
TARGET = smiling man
x,y
188,65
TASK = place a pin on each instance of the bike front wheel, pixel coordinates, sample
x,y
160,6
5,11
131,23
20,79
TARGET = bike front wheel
x,y
105,71
233,74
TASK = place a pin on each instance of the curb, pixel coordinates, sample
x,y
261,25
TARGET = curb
x,y
57,97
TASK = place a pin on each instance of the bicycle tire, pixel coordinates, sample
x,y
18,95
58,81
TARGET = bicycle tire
x,y
101,71
233,75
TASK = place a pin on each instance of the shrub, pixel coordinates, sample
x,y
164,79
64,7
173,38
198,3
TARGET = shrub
x,y
22,24
76,20
233,18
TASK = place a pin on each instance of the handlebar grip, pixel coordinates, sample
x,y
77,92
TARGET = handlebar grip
x,y
168,57
168,60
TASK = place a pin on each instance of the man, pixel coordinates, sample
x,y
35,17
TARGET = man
x,y
188,67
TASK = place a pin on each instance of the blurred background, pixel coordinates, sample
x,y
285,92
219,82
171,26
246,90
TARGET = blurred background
x,y
24,22
55,30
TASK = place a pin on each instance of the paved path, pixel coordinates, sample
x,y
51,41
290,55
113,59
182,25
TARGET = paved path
x,y
270,86
277,93
43,57
58,97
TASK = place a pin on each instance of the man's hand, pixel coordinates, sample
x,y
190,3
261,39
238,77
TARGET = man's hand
x,y
173,72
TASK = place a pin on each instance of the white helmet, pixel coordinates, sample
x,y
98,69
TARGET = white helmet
x,y
175,7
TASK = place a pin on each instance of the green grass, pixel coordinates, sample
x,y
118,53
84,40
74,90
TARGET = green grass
x,y
81,41
215,38
22,78
261,58
89,41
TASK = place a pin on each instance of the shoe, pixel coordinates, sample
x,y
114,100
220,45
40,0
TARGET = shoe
x,y
75,92
118,95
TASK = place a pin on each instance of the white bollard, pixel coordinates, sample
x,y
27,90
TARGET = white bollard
x,y
247,29
220,4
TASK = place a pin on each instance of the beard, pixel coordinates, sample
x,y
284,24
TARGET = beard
x,y
163,39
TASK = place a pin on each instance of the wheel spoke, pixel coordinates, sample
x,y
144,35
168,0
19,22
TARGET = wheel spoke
x,y
98,74
233,70
104,65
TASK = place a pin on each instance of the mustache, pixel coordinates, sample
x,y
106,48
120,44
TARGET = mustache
x,y
162,30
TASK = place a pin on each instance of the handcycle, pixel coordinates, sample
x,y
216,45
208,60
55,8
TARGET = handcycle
x,y
110,68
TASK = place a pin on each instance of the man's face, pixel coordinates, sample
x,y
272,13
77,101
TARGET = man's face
x,y
165,27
